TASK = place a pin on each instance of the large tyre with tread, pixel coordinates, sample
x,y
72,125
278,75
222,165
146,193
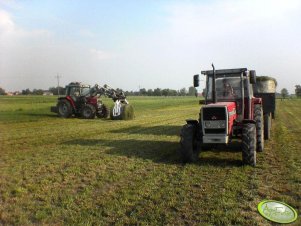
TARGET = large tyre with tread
x,y
189,149
64,108
103,112
258,117
249,144
88,111
267,126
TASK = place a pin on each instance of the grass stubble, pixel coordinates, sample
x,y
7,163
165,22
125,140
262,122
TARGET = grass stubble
x,y
75,171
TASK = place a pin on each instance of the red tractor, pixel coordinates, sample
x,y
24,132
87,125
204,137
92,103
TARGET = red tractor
x,y
230,111
84,101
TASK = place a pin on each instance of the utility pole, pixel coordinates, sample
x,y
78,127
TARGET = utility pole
x,y
58,83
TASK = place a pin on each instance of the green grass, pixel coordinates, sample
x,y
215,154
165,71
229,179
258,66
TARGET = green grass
x,y
75,171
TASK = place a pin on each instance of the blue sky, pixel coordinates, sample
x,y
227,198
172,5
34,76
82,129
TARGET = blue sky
x,y
150,44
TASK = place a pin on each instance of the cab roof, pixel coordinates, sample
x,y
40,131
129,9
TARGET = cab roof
x,y
78,84
225,71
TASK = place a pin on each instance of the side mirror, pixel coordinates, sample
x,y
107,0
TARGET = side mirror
x,y
196,81
253,77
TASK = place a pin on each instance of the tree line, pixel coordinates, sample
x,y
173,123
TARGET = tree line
x,y
191,91
162,92
284,92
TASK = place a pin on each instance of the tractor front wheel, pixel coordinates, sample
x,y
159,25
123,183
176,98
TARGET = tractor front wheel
x,y
88,111
64,108
189,147
103,112
249,144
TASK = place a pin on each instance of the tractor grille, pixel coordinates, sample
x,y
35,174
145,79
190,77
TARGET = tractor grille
x,y
214,113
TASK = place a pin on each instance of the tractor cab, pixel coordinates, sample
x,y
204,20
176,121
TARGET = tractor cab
x,y
76,89
230,85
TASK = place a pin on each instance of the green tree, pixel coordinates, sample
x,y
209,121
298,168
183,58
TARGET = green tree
x,y
183,92
37,92
172,92
165,92
284,93
298,90
26,91
143,91
2,91
157,92
54,90
150,92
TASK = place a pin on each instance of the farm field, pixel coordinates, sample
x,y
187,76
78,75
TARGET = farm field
x,y
101,172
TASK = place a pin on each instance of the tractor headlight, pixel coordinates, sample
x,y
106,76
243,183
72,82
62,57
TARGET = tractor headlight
x,y
207,124
222,124
217,124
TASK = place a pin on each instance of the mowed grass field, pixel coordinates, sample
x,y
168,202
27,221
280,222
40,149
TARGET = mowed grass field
x,y
56,171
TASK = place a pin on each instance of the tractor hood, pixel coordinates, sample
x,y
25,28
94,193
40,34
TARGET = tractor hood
x,y
231,106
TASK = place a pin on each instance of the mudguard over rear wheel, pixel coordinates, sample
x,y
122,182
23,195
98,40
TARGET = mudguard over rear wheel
x,y
249,144
189,149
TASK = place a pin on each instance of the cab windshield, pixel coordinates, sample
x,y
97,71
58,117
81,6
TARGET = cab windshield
x,y
85,91
227,88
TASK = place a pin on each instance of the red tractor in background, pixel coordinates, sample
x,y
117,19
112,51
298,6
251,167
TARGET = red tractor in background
x,y
230,111
84,101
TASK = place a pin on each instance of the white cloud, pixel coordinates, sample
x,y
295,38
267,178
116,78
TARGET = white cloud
x,y
31,58
10,4
87,33
101,55
10,32
221,17
262,35
6,23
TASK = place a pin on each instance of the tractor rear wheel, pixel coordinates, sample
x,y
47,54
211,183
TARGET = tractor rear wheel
x,y
267,126
189,147
88,111
103,112
249,144
258,117
64,108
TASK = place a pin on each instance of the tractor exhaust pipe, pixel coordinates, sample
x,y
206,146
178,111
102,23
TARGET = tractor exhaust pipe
x,y
213,85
